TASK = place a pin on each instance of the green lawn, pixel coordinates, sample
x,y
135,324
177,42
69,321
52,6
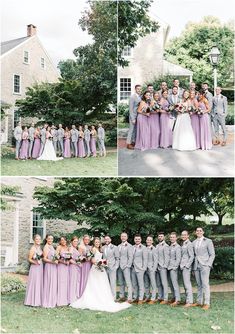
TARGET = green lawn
x,y
16,318
67,167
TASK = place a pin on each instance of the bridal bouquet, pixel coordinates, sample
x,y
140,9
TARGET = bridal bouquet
x,y
38,258
101,264
180,108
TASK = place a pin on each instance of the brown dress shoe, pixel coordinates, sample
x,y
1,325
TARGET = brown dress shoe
x,y
129,301
175,304
140,302
172,300
129,147
158,300
196,304
206,307
188,305
223,143
164,302
151,302
135,301
146,300
121,299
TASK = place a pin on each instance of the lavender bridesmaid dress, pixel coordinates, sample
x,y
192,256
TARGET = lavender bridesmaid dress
x,y
34,290
24,149
205,129
50,283
63,283
196,128
93,146
36,148
85,269
142,132
154,124
81,148
74,278
166,136
67,152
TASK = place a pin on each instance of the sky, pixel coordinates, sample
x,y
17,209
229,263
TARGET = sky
x,y
57,20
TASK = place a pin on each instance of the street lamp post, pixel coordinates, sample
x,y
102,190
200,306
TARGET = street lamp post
x,y
214,59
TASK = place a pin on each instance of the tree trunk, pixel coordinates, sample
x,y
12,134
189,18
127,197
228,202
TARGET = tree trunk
x,y
220,221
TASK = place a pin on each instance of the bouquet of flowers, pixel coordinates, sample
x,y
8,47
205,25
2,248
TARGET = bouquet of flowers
x,y
101,264
89,255
38,258
199,111
180,108
81,259
55,257
191,109
155,107
66,256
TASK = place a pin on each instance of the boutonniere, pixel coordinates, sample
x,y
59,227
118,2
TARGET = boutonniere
x,y
151,247
125,245
139,246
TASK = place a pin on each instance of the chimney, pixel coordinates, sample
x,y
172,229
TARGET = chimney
x,y
31,30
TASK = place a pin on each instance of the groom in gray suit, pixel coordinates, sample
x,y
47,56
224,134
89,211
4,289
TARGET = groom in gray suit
x,y
140,261
124,270
111,254
133,106
74,140
219,112
204,256
150,273
43,138
60,135
18,137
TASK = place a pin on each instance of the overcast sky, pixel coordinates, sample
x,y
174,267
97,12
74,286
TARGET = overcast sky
x,y
57,20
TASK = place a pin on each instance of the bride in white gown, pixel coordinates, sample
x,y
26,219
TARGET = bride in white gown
x,y
48,151
97,294
183,135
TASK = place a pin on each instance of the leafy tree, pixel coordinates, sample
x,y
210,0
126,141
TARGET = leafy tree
x,y
7,191
191,49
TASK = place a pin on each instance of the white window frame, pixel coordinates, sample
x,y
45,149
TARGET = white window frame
x,y
44,63
119,88
16,93
32,226
27,63
130,49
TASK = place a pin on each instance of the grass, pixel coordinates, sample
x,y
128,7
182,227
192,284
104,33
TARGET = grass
x,y
67,167
17,318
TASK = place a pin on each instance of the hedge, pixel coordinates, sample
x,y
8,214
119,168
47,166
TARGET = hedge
x,y
223,266
10,284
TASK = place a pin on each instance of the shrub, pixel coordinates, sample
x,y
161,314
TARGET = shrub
x,y
156,82
229,119
224,263
222,229
123,112
23,268
11,284
6,151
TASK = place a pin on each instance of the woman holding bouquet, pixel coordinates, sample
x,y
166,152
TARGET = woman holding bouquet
x,y
25,144
93,140
154,121
49,151
81,148
195,117
34,288
63,272
74,271
85,250
204,121
50,274
183,135
67,135
97,294
36,144
143,124
165,124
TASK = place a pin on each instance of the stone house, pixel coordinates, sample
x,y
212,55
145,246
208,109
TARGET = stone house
x,y
24,62
21,222
146,61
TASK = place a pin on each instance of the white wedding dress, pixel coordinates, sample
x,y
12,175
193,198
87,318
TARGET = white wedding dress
x,y
48,152
183,135
97,294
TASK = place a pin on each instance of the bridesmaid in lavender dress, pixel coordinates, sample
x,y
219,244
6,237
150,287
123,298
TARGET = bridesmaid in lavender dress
x,y
81,148
166,136
34,288
195,117
67,151
204,121
154,122
63,272
74,272
36,144
143,123
50,274
85,250
25,144
93,140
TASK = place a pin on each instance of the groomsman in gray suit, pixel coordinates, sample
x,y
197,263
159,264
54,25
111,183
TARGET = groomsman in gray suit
x,y
163,255
74,140
186,267
124,270
176,83
101,137
204,256
173,266
18,137
140,261
111,254
31,132
60,135
150,274
54,137
150,89
133,106
87,138
219,112
43,138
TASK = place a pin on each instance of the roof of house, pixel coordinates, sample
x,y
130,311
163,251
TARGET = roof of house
x,y
8,45
173,69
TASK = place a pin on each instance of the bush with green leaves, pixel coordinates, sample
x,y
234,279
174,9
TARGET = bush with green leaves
x,y
10,284
223,266
123,112
6,151
23,268
156,82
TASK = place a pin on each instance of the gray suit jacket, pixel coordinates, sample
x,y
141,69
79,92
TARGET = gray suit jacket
x,y
187,255
171,99
87,135
60,133
175,257
209,97
220,105
74,135
180,92
205,254
152,262
54,135
133,106
163,255
43,135
18,133
140,258
126,255
101,133
31,133
111,254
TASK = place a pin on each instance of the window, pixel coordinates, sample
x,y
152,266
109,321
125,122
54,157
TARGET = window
x,y
42,62
125,88
17,118
16,84
38,226
127,51
26,57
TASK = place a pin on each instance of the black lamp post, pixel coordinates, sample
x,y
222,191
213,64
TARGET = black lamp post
x,y
214,59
